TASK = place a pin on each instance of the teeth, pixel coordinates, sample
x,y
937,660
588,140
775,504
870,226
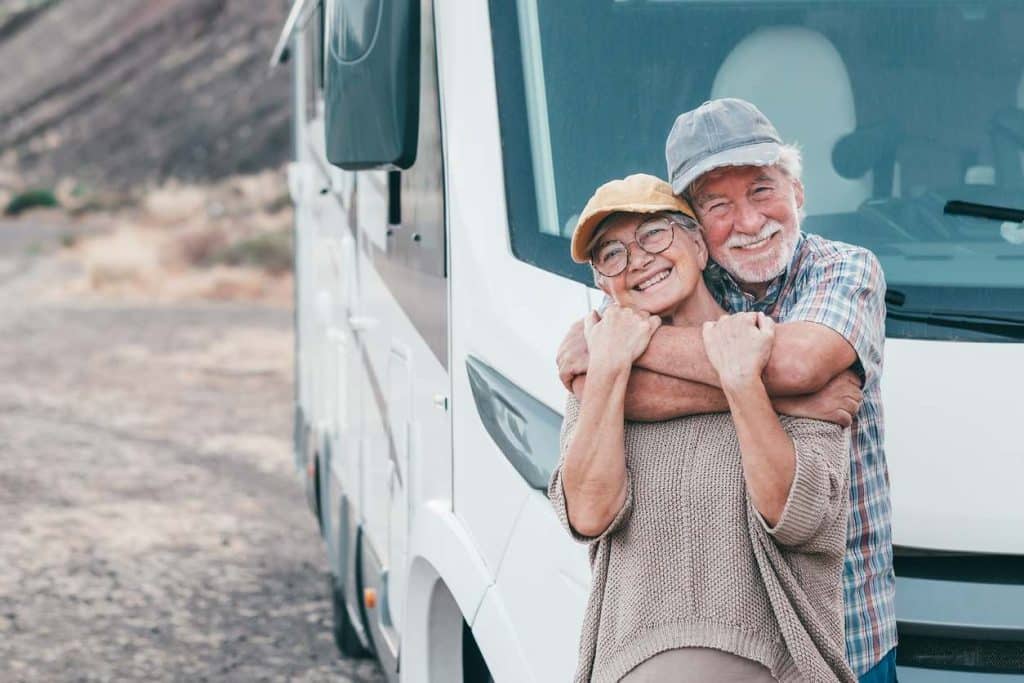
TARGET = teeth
x,y
652,281
758,243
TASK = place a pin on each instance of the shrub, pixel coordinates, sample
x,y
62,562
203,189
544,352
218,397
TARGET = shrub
x,y
30,199
270,251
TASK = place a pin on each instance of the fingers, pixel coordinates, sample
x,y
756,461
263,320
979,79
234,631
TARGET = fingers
x,y
566,378
654,322
747,318
707,333
852,377
572,357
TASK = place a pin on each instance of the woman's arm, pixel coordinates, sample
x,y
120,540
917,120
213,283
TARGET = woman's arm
x,y
739,347
594,464
768,454
593,469
815,513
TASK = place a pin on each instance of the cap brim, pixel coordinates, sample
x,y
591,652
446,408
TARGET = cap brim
x,y
584,232
761,154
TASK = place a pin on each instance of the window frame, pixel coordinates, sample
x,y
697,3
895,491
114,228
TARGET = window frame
x,y
530,245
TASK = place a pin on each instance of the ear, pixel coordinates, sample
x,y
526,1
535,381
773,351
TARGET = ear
x,y
702,248
798,192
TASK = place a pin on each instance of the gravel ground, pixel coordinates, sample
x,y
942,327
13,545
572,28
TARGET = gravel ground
x,y
153,527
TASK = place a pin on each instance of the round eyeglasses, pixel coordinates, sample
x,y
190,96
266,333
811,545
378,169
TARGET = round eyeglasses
x,y
611,257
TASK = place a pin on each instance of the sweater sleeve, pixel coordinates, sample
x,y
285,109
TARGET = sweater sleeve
x,y
556,490
820,489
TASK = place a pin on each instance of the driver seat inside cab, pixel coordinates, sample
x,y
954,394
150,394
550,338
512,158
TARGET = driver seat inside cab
x,y
759,69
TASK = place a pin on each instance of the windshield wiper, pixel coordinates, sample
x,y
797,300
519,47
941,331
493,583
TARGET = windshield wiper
x,y
1011,328
997,213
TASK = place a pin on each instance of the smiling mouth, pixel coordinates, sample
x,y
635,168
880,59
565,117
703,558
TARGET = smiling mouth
x,y
752,246
653,280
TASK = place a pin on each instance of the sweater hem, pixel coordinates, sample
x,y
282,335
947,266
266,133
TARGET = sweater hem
x,y
772,655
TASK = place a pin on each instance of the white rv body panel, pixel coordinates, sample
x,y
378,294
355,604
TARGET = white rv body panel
x,y
499,305
956,461
497,633
544,582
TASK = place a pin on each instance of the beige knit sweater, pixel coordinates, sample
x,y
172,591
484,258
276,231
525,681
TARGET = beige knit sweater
x,y
689,562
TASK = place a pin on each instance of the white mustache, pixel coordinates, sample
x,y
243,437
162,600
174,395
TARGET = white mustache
x,y
767,230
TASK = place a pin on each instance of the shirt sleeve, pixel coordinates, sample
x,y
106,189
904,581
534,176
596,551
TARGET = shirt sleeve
x,y
819,497
556,491
846,293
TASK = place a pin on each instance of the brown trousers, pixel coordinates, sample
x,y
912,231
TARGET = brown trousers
x,y
698,665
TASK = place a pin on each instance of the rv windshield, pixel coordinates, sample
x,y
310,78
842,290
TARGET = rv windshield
x,y
900,107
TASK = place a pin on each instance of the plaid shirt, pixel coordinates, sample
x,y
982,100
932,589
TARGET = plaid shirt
x,y
842,287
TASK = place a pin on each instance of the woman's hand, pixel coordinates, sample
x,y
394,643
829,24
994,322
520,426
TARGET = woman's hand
x,y
619,337
739,347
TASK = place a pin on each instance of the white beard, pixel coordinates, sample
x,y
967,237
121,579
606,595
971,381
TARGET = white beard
x,y
761,269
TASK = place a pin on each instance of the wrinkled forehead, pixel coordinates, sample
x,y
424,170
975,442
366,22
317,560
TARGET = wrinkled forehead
x,y
712,181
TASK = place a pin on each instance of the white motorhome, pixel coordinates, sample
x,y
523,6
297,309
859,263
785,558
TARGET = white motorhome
x,y
442,151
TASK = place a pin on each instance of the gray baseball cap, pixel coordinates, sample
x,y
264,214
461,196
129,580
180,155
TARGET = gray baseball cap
x,y
724,132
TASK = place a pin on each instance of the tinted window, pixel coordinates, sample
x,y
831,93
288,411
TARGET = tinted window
x,y
899,107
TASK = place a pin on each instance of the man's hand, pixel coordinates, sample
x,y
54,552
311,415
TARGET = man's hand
x,y
837,402
573,355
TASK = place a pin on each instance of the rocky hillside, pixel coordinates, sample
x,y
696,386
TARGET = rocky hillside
x,y
118,93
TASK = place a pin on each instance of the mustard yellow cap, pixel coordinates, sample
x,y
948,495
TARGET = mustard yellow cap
x,y
638,193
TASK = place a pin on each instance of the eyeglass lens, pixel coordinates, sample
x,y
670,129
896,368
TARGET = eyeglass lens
x,y
653,236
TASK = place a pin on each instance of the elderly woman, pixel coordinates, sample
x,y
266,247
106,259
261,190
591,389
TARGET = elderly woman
x,y
701,571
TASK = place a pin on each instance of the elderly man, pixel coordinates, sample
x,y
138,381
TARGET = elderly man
x,y
727,159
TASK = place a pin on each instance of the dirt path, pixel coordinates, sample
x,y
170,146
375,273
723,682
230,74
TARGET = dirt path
x,y
151,524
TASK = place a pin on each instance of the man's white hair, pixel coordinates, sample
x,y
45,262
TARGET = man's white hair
x,y
790,161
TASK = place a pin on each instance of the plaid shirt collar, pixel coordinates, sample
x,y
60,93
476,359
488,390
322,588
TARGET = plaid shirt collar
x,y
731,295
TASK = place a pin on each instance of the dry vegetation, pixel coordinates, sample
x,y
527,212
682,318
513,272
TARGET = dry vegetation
x,y
178,242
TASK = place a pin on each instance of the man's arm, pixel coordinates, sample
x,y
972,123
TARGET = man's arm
x,y
808,355
805,357
652,397
839,319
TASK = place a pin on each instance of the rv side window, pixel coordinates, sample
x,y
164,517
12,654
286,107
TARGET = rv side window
x,y
538,235
313,38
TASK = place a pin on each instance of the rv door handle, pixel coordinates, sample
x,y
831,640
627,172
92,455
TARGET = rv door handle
x,y
361,323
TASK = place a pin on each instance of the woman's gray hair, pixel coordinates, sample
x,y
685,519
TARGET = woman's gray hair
x,y
688,223
684,220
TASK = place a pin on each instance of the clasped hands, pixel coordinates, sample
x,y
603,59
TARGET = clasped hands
x,y
738,346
